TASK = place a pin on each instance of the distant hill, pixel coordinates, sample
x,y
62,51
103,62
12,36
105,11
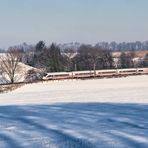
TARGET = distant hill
x,y
21,76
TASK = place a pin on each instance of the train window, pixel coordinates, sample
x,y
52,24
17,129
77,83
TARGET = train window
x,y
45,74
128,71
108,72
60,75
131,71
49,76
83,73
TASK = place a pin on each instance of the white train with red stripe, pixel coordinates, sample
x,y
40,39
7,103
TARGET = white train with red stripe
x,y
94,73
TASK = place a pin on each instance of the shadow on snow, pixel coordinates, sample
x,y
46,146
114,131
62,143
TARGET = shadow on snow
x,y
74,125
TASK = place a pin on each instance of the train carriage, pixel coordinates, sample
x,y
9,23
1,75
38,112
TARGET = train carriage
x,y
83,74
56,76
109,72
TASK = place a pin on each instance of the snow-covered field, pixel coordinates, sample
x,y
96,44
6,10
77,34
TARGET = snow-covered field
x,y
108,113
132,89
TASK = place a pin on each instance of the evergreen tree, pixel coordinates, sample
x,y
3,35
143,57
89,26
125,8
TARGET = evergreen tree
x,y
56,59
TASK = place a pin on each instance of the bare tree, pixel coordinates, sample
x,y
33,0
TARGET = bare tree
x,y
9,63
92,58
126,60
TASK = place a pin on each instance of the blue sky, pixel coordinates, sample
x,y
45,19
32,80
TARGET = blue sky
x,y
85,21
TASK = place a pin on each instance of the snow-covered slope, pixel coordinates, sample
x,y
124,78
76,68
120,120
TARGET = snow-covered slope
x,y
20,74
74,125
126,90
44,115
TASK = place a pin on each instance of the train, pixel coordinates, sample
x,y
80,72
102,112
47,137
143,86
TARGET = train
x,y
94,73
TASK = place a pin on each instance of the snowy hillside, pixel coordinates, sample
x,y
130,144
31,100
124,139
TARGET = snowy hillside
x,y
126,90
20,75
106,113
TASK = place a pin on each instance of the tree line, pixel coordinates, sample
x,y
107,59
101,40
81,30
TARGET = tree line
x,y
53,59
114,46
87,57
124,46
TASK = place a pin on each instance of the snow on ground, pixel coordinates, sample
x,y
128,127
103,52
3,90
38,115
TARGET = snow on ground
x,y
74,125
126,90
106,113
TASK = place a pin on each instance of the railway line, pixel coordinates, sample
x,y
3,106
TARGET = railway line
x,y
95,73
